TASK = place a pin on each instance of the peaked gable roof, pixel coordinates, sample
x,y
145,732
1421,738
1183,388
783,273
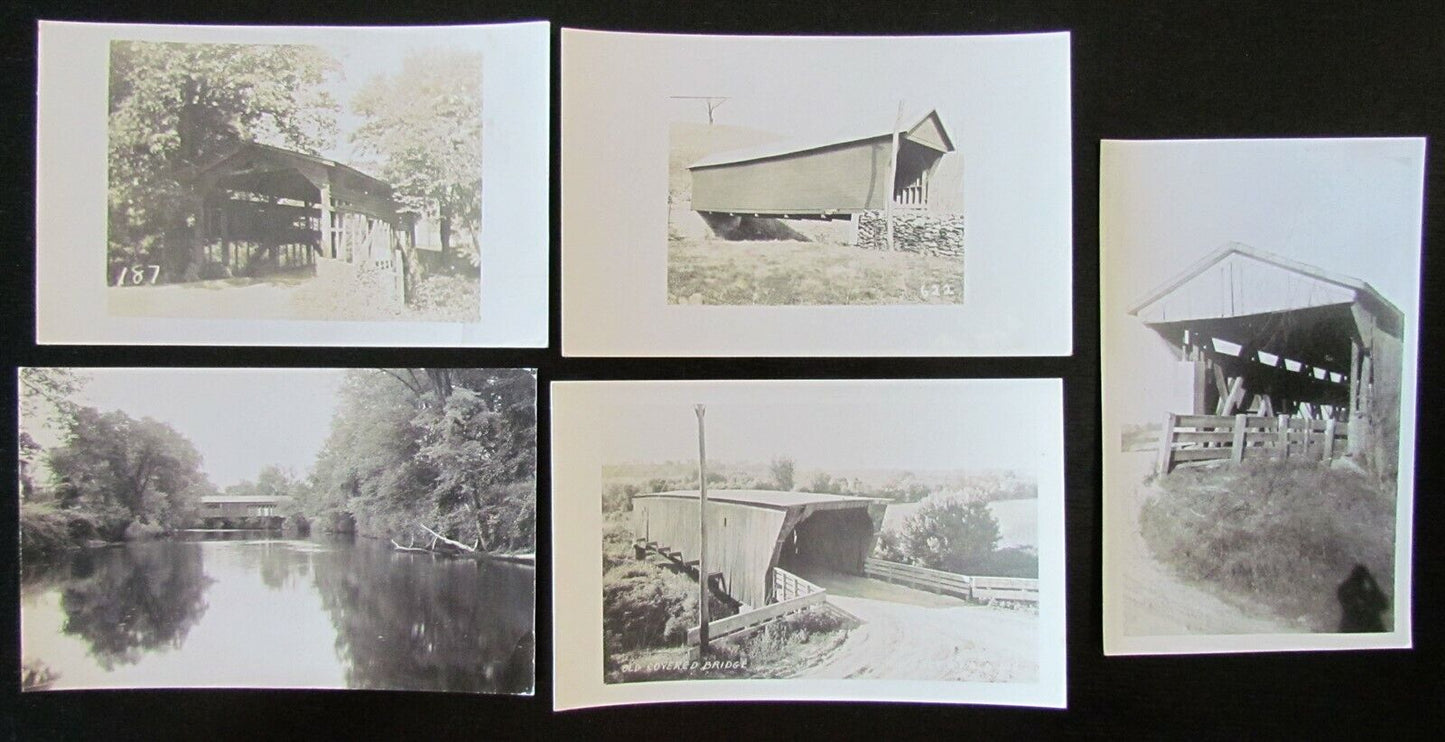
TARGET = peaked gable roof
x,y
1354,286
799,145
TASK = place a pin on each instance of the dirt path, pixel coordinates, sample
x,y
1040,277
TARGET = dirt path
x,y
915,635
1156,602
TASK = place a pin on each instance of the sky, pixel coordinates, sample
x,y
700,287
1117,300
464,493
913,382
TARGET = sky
x,y
241,420
1349,207
943,426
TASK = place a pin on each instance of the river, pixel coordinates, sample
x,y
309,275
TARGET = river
x,y
247,609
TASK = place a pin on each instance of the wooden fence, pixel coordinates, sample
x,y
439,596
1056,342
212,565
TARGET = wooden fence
x,y
1233,437
793,594
1021,589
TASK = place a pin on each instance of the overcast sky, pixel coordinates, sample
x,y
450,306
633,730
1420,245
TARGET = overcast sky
x,y
241,420
952,425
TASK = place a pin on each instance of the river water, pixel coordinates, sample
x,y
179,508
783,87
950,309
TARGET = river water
x,y
243,609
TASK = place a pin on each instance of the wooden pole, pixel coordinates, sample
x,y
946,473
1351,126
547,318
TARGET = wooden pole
x,y
892,175
702,573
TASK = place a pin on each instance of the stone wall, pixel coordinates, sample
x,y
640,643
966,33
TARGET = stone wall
x,y
913,231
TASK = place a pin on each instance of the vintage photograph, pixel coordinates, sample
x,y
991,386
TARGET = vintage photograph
x,y
916,542
297,528
287,177
294,181
868,213
1260,329
837,196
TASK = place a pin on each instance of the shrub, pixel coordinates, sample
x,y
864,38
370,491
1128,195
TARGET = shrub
x,y
1285,534
645,606
45,530
138,531
447,298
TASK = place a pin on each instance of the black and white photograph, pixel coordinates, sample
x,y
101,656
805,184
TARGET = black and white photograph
x,y
823,192
870,212
1260,326
841,540
268,528
298,178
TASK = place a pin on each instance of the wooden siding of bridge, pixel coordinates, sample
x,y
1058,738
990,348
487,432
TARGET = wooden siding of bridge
x,y
741,539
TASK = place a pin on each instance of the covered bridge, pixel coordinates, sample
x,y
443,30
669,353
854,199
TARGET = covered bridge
x,y
834,177
752,532
266,209
241,510
1265,335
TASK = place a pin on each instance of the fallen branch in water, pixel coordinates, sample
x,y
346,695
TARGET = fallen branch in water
x,y
399,547
445,540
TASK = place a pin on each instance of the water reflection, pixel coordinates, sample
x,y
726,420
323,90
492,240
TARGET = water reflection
x,y
261,611
126,606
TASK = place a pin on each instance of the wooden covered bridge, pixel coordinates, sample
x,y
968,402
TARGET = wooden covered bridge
x,y
755,536
265,209
1278,356
242,511
831,178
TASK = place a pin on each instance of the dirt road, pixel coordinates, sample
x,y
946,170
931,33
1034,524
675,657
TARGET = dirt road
x,y
1156,602
909,634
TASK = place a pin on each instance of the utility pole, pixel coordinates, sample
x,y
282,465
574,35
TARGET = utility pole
x,y
712,101
702,573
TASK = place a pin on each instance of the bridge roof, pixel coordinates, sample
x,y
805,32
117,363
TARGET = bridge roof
x,y
243,499
776,499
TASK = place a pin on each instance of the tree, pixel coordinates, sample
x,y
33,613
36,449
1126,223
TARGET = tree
x,y
142,466
949,534
451,449
46,400
782,469
425,122
176,107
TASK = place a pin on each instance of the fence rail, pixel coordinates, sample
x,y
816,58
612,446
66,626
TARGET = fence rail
x,y
744,621
787,585
1024,589
1233,437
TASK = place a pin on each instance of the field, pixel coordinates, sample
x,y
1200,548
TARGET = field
x,y
702,271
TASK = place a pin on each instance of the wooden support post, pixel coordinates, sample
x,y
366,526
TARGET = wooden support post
x,y
1328,452
1284,436
1236,455
328,245
892,175
1166,443
1353,439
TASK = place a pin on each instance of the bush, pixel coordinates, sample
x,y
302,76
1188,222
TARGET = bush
x,y
448,298
646,606
45,530
138,531
1285,534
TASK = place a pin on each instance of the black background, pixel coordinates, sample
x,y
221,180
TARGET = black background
x,y
1158,70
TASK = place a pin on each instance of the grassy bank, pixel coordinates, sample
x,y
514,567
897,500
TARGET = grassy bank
x,y
1278,534
701,271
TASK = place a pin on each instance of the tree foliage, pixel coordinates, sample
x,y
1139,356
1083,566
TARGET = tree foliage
x,y
143,467
783,470
175,107
453,449
948,534
425,122
46,400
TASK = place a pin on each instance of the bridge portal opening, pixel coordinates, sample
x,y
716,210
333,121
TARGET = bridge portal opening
x,y
833,540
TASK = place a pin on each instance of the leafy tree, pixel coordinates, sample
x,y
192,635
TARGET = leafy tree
x,y
175,107
949,534
782,469
452,449
142,466
46,399
425,122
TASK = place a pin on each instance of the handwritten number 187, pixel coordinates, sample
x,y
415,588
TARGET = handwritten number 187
x,y
137,275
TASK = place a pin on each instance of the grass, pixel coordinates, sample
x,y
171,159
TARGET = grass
x,y
788,272
1279,534
778,649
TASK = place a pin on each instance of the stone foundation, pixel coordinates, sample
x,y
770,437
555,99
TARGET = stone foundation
x,y
913,231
